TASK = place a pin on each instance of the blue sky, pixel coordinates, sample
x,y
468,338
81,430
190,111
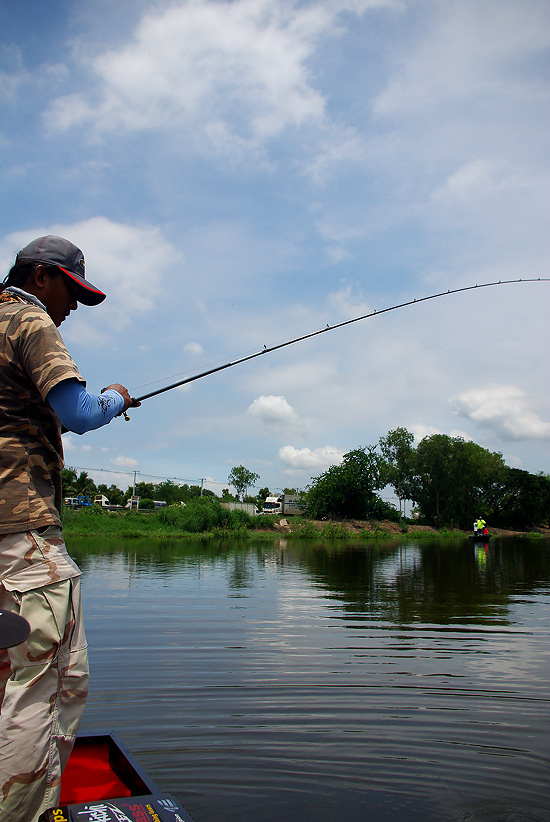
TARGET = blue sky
x,y
241,173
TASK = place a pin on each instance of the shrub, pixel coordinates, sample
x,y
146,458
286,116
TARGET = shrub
x,y
69,514
334,530
200,514
240,519
307,530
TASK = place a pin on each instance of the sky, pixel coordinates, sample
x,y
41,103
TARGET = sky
x,y
241,173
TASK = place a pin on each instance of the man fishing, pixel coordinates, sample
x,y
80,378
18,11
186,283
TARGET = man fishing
x,y
43,680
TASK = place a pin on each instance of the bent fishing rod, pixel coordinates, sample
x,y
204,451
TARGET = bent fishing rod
x,y
266,350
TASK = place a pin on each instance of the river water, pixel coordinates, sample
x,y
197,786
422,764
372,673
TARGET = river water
x,y
308,683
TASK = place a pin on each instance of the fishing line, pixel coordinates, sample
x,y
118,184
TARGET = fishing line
x,y
266,350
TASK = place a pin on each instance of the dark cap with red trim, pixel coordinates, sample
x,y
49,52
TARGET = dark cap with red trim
x,y
52,250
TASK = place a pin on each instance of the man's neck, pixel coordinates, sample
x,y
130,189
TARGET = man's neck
x,y
32,298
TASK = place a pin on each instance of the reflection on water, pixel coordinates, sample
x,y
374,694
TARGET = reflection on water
x,y
386,682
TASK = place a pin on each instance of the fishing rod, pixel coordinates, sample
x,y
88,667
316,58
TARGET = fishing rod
x,y
328,327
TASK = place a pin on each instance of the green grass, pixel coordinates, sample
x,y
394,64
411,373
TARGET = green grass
x,y
202,516
206,517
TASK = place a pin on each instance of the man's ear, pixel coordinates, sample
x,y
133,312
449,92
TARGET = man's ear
x,y
39,280
39,275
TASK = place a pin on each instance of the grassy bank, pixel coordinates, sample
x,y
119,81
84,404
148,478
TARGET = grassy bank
x,y
201,517
209,519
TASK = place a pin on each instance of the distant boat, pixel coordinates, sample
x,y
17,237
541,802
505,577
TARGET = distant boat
x,y
480,537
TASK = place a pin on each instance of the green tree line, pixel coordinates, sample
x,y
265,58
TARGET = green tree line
x,y
75,485
451,482
168,491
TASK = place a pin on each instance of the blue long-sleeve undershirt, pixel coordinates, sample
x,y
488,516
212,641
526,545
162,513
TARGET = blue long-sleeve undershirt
x,y
80,411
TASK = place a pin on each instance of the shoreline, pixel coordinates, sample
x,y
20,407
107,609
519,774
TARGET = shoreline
x,y
143,526
388,528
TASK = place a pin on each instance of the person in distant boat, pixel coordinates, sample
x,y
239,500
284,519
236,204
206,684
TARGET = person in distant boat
x,y
43,680
479,525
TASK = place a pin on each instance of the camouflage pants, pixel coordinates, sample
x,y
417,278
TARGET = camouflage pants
x,y
43,681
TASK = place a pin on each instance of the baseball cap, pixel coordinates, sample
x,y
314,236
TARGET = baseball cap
x,y
14,629
52,250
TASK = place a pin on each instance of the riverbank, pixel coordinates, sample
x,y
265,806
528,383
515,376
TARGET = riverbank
x,y
354,527
132,524
385,528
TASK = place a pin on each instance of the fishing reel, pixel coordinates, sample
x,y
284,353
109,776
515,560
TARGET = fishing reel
x,y
135,404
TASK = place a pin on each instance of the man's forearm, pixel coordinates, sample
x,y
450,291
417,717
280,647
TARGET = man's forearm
x,y
81,411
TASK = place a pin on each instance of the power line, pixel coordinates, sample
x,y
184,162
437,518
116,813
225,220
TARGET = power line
x,y
143,474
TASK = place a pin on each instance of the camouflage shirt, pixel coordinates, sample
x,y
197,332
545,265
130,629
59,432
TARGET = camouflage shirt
x,y
33,358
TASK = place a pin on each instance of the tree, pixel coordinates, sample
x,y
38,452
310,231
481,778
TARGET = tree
x,y
77,485
85,485
483,475
525,500
145,490
169,492
398,453
433,485
241,478
453,481
113,494
263,493
68,481
347,490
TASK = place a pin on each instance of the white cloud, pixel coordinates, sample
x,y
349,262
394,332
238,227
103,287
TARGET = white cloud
x,y
273,411
207,62
504,409
467,53
302,459
69,443
482,190
122,479
459,110
469,179
16,80
193,348
421,430
345,306
230,76
125,261
129,258
124,462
